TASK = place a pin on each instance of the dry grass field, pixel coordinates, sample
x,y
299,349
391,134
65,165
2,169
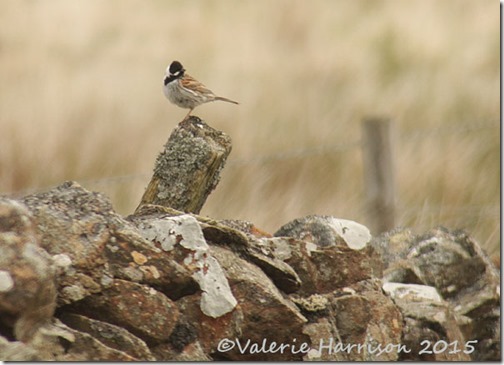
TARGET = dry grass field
x,y
81,99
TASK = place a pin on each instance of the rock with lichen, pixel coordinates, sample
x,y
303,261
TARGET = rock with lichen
x,y
79,282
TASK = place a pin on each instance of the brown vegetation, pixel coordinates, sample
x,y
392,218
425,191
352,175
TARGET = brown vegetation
x,y
81,99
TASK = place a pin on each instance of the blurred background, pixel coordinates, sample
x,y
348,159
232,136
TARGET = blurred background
x,y
81,99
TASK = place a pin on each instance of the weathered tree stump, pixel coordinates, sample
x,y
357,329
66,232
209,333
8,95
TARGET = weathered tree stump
x,y
188,168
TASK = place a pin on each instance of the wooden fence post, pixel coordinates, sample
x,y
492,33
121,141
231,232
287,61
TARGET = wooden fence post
x,y
188,168
379,175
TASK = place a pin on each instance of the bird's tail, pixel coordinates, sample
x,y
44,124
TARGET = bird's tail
x,y
225,99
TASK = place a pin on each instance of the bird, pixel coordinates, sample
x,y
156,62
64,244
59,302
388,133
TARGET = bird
x,y
185,91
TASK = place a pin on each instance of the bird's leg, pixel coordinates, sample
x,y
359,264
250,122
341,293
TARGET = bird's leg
x,y
187,116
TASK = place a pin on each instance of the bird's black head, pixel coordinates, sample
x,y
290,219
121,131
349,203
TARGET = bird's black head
x,y
176,69
174,72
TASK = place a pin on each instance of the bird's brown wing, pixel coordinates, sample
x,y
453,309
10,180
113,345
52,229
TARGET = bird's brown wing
x,y
195,87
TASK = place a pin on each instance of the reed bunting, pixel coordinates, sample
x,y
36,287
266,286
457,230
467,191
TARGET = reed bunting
x,y
185,91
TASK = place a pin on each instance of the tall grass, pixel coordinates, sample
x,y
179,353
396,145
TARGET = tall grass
x,y
81,100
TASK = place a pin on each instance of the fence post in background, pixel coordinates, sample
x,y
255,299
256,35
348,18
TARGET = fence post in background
x,y
379,175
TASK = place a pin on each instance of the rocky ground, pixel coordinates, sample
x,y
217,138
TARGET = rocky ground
x,y
80,282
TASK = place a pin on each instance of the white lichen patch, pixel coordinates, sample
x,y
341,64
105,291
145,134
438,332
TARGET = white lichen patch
x,y
73,293
217,298
348,290
310,247
412,292
62,260
355,235
281,248
161,231
112,248
6,282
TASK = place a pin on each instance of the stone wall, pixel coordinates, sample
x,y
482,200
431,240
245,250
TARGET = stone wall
x,y
80,282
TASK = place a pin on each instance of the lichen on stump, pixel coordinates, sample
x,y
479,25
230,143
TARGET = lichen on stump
x,y
188,168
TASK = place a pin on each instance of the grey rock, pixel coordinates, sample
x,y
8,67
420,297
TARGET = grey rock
x,y
349,325
142,310
110,335
27,274
463,275
160,284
